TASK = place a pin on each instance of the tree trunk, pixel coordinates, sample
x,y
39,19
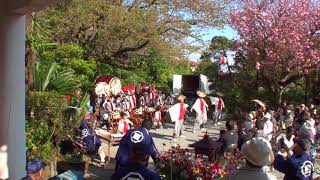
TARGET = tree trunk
x,y
29,55
280,100
306,90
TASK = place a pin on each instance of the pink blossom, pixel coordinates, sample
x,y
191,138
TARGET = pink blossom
x,y
284,29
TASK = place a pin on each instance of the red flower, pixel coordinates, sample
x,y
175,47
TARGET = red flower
x,y
68,97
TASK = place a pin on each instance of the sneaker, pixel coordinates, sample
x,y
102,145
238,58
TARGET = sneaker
x,y
203,129
182,136
215,124
219,123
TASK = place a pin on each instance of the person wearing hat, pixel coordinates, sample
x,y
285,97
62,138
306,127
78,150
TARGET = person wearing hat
x,y
132,137
217,106
177,113
34,170
136,168
299,165
258,153
201,107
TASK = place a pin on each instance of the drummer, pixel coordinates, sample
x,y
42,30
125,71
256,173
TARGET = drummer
x,y
133,100
124,124
144,100
159,100
125,104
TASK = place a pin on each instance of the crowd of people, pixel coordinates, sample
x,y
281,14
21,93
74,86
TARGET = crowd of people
x,y
284,139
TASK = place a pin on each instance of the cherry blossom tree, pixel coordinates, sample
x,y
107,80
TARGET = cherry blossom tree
x,y
281,36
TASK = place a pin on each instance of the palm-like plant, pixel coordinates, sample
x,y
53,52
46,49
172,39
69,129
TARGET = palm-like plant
x,y
49,76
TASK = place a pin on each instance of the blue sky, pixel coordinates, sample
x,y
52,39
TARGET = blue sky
x,y
208,34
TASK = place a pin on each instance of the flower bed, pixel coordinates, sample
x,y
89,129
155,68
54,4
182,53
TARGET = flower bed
x,y
178,163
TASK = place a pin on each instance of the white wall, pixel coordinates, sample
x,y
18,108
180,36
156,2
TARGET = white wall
x,y
12,90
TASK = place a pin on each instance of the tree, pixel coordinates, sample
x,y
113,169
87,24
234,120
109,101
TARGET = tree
x,y
218,48
208,68
281,36
71,56
112,31
50,77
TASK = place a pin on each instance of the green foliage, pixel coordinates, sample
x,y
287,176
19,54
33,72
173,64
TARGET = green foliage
x,y
84,70
49,121
294,94
104,69
62,53
208,68
45,126
70,56
113,31
50,76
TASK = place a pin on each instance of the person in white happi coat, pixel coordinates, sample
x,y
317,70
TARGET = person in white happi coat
x,y
170,100
125,104
201,107
268,127
144,100
177,113
133,100
217,106
157,118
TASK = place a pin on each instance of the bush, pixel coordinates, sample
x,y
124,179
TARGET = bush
x,y
47,125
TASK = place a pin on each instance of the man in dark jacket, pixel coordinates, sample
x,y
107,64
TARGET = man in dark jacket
x,y
230,137
243,134
134,136
299,166
136,166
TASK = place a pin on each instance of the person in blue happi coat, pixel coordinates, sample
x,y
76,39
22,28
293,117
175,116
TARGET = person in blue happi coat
x,y
134,136
90,139
299,166
136,168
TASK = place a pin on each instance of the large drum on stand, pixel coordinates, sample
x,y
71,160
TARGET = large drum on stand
x,y
113,82
102,88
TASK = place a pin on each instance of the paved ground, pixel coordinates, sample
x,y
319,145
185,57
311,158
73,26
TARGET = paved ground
x,y
164,136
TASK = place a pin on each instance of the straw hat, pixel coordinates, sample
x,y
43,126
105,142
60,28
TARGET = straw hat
x,y
258,151
201,94
181,97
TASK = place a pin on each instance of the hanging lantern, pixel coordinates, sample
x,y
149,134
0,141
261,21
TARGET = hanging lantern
x,y
222,59
258,66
